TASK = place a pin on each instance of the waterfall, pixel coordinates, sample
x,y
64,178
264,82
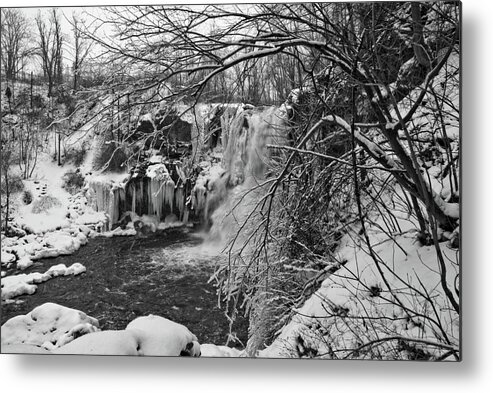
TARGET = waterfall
x,y
228,193
159,188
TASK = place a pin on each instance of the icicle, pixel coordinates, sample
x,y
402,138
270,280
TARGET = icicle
x,y
111,208
134,196
156,198
140,195
180,202
114,208
170,193
150,197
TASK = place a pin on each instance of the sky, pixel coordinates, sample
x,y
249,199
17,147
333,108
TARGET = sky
x,y
66,15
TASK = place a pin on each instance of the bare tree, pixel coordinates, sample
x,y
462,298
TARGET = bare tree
x,y
15,34
81,49
50,47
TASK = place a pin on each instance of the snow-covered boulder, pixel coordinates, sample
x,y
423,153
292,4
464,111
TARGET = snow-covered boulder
x,y
47,324
162,337
32,247
62,241
7,258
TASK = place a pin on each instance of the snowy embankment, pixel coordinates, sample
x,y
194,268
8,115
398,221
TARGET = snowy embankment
x,y
54,223
54,329
373,308
392,297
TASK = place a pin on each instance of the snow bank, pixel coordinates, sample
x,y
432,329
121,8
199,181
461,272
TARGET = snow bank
x,y
33,247
91,217
25,284
49,325
62,270
21,284
40,223
116,232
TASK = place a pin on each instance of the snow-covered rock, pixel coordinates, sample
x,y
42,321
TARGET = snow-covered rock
x,y
217,351
33,246
24,262
7,258
77,331
62,241
47,323
62,270
25,284
162,337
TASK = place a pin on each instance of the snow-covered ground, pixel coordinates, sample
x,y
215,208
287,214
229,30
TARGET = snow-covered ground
x,y
373,304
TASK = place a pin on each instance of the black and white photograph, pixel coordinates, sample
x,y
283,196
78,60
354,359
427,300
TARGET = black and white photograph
x,y
263,180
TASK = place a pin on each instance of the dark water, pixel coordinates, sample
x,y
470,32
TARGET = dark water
x,y
162,274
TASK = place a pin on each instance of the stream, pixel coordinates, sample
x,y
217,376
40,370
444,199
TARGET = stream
x,y
164,273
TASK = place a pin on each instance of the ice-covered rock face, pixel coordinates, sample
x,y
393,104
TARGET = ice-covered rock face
x,y
49,325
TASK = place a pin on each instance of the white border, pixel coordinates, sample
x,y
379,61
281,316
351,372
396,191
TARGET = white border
x,y
79,374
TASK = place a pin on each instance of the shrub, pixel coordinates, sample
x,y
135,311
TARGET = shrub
x,y
45,203
15,184
76,156
73,181
27,197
